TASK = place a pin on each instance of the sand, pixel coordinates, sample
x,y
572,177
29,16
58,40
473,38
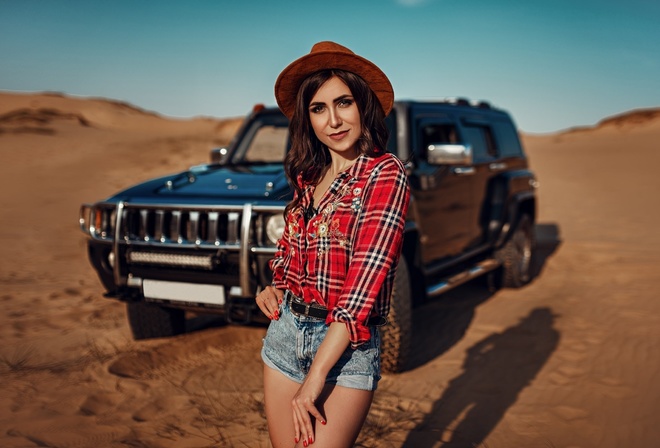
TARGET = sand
x,y
570,360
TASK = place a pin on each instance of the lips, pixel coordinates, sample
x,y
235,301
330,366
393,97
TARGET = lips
x,y
338,135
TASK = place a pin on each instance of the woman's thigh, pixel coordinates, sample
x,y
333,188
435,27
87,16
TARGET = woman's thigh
x,y
278,394
345,410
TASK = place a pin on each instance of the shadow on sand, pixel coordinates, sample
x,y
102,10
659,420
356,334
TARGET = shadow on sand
x,y
446,319
496,368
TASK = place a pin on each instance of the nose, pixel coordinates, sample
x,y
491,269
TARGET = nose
x,y
334,119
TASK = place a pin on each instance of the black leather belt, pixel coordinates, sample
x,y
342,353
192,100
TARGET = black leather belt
x,y
300,308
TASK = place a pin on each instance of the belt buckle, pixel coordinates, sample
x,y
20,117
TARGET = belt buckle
x,y
290,298
307,307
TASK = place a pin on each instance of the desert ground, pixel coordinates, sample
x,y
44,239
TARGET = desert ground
x,y
570,360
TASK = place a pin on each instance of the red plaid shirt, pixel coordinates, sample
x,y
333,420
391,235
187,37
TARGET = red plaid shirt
x,y
345,257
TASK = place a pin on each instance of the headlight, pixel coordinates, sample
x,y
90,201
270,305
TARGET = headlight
x,y
275,228
97,220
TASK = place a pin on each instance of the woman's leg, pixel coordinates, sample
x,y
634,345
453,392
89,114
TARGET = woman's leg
x,y
345,410
278,393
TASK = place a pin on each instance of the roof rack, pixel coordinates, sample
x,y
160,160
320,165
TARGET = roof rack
x,y
460,101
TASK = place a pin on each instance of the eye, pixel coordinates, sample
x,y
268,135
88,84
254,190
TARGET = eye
x,y
316,109
345,102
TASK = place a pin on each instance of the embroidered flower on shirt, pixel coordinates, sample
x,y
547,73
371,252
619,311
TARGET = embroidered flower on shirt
x,y
293,229
323,229
328,230
356,204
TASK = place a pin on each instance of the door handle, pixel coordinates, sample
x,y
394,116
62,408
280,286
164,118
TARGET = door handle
x,y
497,166
463,171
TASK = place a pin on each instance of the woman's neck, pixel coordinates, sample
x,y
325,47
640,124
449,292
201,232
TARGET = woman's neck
x,y
339,164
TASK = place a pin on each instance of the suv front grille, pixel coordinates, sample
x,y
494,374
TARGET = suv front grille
x,y
189,237
198,227
216,227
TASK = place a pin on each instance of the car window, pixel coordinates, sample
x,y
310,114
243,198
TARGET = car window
x,y
507,137
266,141
482,141
268,145
435,133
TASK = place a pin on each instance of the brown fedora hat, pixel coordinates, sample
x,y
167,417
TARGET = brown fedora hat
x,y
329,55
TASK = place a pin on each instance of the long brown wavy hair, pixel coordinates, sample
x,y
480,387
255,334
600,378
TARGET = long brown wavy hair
x,y
308,156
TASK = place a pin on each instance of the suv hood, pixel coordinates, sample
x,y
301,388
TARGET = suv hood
x,y
231,183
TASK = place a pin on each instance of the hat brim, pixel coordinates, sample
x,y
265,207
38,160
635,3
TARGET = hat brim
x,y
289,81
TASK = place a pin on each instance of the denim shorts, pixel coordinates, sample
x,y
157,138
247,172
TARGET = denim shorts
x,y
292,341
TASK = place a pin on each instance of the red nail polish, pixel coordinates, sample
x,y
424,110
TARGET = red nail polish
x,y
323,422
311,440
295,440
304,442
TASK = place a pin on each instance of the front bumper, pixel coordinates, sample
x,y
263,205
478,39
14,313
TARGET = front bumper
x,y
221,247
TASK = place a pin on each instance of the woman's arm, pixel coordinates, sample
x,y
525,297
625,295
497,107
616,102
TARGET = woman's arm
x,y
304,402
377,242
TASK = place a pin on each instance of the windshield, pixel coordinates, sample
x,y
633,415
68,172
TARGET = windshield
x,y
265,141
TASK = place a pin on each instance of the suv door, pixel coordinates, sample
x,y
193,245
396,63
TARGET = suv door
x,y
488,193
443,196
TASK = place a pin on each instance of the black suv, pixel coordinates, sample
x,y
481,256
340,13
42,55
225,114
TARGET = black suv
x,y
201,240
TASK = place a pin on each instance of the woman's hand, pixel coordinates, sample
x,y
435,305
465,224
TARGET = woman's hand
x,y
304,402
304,408
269,301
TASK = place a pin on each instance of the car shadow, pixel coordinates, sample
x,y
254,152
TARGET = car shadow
x,y
445,320
199,322
439,324
495,371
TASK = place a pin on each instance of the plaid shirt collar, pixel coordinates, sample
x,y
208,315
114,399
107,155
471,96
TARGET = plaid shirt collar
x,y
362,164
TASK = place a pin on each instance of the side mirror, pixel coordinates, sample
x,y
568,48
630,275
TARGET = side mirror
x,y
448,154
219,156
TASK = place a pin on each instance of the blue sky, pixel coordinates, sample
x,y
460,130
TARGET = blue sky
x,y
552,64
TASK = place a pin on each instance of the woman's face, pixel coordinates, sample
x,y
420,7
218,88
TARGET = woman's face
x,y
335,117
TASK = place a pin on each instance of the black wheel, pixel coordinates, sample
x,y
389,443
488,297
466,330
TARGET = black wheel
x,y
396,335
516,255
148,320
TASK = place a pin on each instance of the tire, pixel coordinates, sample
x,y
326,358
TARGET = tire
x,y
152,321
396,336
517,254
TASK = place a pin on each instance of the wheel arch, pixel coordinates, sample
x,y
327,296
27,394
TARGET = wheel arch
x,y
520,204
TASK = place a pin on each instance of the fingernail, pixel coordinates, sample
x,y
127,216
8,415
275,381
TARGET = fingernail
x,y
311,440
323,422
295,440
304,442
279,301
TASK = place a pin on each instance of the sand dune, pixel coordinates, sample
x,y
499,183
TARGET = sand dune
x,y
568,361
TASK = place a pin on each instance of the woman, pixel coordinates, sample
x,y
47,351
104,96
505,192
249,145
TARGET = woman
x,y
334,267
